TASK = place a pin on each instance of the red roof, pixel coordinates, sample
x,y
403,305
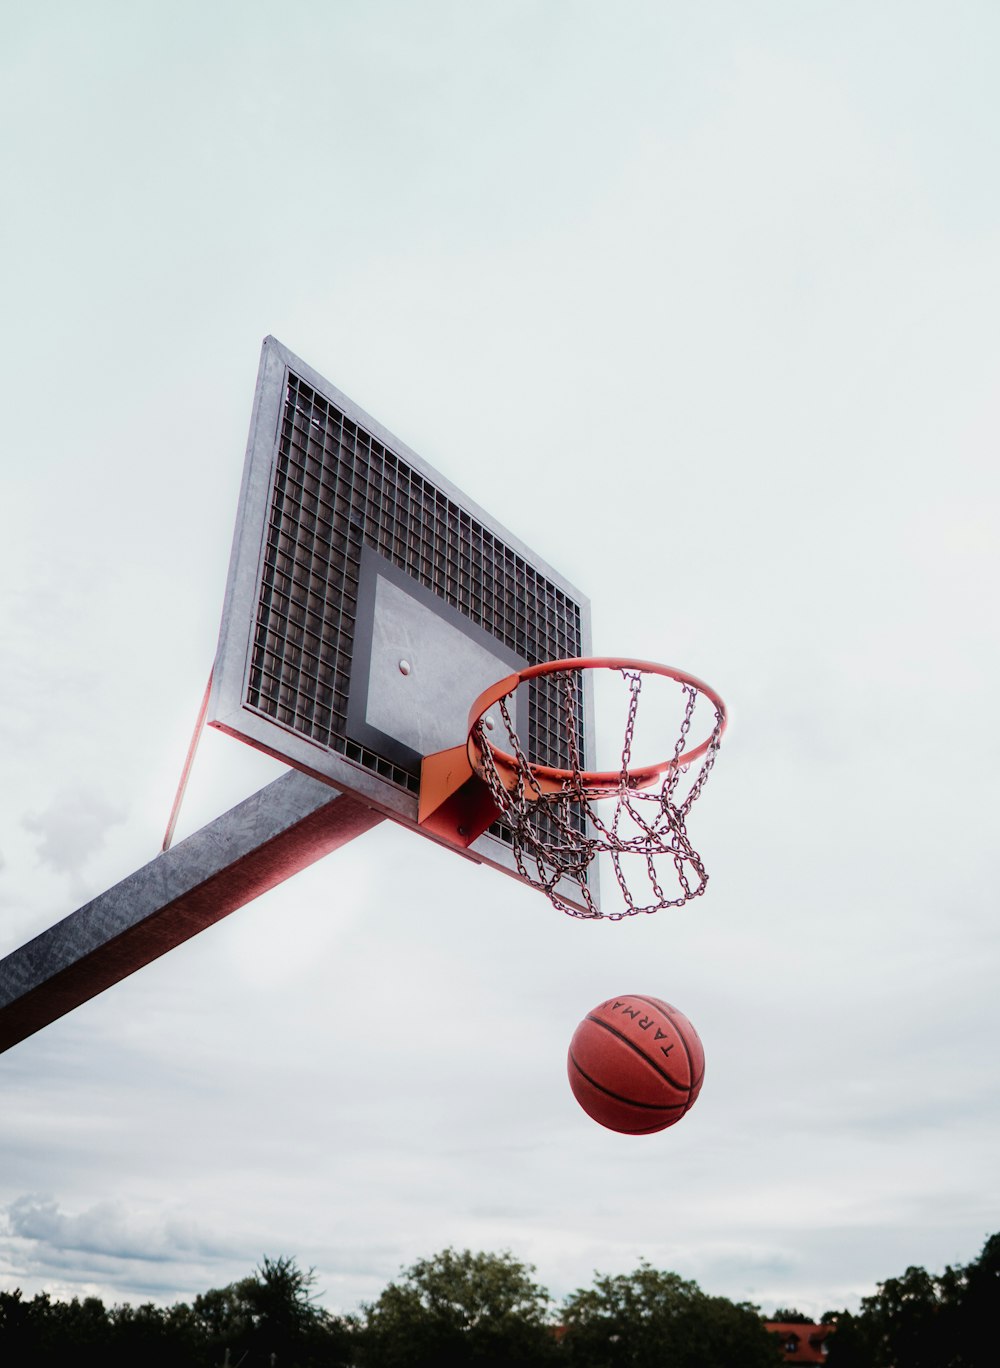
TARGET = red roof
x,y
801,1343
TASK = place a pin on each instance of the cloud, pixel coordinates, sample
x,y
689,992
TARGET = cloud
x,y
72,828
107,1228
113,1251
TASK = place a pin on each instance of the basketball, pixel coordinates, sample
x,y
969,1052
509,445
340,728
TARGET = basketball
x,y
636,1064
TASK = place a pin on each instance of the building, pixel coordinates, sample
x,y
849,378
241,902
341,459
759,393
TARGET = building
x,y
801,1342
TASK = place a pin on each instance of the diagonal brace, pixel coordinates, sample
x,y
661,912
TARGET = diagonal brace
x,y
255,846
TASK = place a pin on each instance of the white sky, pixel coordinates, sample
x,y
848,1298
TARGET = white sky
x,y
700,302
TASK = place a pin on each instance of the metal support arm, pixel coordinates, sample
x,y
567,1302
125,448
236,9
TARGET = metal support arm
x,y
255,846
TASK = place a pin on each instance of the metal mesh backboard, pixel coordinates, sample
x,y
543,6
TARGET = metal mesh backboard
x,y
369,602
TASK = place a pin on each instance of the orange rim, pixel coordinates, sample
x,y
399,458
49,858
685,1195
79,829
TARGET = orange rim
x,y
551,779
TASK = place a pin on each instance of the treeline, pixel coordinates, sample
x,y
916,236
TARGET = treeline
x,y
925,1320
460,1308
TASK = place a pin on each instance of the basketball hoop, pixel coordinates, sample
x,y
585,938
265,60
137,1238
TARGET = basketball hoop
x,y
561,818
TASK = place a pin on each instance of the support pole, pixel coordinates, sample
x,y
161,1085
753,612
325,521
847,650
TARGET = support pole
x,y
255,846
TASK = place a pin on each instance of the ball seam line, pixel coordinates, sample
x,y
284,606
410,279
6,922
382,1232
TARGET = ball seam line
x,y
665,1007
629,1101
612,1030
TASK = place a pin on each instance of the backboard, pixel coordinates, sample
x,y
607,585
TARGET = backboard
x,y
369,602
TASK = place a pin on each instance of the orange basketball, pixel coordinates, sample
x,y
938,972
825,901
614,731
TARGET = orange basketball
x,y
636,1064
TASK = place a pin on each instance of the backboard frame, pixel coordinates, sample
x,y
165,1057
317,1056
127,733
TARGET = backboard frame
x,y
381,781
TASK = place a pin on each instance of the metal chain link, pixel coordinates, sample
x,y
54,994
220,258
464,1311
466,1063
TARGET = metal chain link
x,y
556,836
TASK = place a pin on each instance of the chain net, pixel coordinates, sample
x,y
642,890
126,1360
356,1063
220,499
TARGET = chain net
x,y
557,835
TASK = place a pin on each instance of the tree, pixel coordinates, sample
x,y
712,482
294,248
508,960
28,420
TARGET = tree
x,y
850,1346
927,1320
271,1318
979,1302
648,1319
16,1330
153,1336
457,1309
912,1321
47,1333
